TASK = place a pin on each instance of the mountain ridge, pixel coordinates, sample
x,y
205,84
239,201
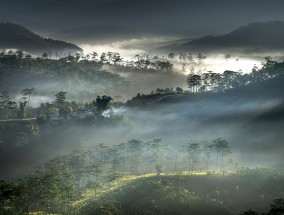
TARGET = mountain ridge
x,y
98,33
254,37
13,36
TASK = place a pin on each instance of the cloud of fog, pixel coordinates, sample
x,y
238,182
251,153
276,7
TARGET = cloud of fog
x,y
235,63
218,63
255,140
127,48
214,61
112,112
35,100
112,47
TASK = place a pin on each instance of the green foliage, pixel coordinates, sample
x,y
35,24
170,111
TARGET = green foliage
x,y
42,118
61,186
81,79
7,106
28,92
60,98
179,90
22,109
183,194
109,208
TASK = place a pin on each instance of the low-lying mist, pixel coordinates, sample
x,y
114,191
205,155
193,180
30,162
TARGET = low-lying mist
x,y
215,61
254,135
249,117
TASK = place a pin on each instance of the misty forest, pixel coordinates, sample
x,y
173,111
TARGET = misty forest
x,y
97,117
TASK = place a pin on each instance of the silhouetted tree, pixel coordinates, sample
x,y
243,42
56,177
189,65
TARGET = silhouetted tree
x,y
102,102
227,57
134,148
44,56
179,90
193,150
60,98
22,109
200,58
222,149
28,92
94,56
171,56
193,82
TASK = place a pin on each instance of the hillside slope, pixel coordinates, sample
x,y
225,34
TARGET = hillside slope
x,y
255,37
14,36
185,194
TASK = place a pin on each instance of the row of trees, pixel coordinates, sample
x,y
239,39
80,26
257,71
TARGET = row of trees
x,y
219,82
60,106
55,184
10,108
210,81
145,62
168,90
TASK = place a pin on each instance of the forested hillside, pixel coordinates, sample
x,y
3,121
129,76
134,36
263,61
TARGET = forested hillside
x,y
14,36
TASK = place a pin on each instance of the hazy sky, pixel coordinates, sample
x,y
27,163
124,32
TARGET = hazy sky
x,y
198,17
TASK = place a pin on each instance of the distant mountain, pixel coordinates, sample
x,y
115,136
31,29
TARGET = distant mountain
x,y
173,43
14,36
97,34
255,37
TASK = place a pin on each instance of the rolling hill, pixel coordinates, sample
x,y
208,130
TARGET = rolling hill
x,y
14,36
183,194
255,37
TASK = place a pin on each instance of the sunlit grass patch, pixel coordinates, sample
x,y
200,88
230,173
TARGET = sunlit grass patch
x,y
93,193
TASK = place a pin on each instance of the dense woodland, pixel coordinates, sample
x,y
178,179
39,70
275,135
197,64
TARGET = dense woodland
x,y
134,177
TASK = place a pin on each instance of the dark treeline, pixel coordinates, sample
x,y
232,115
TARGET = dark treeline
x,y
210,81
206,82
18,132
18,59
19,71
58,109
84,77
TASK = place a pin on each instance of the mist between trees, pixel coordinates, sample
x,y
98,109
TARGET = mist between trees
x,y
86,76
60,185
244,109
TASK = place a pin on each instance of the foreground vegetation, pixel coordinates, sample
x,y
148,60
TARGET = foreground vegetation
x,y
164,193
144,178
196,194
